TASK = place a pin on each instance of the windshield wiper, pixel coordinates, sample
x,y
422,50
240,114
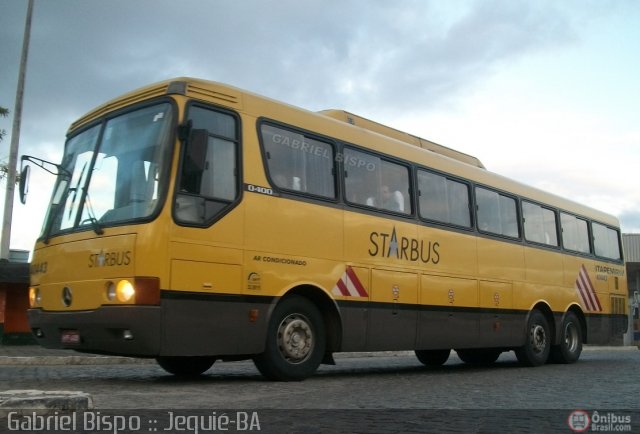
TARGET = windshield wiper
x,y
75,190
95,224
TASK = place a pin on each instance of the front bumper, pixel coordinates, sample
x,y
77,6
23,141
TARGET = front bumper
x,y
117,330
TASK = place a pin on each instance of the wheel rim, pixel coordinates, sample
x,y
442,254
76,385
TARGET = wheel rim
x,y
571,339
295,338
538,339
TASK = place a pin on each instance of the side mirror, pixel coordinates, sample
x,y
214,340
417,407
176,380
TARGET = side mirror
x,y
24,183
197,146
193,163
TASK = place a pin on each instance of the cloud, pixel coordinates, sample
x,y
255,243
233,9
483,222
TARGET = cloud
x,y
630,221
381,59
317,53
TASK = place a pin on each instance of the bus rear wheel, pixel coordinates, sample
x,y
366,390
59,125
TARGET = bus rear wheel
x,y
185,366
537,346
570,347
432,357
295,341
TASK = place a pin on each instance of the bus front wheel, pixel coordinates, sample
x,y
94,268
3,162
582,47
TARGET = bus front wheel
x,y
185,366
537,346
432,357
295,341
479,356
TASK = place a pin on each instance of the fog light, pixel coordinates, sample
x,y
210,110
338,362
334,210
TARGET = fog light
x,y
111,291
67,296
38,332
127,335
125,291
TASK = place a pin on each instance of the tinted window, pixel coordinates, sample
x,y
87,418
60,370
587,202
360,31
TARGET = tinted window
x,y
497,213
575,233
539,224
443,200
606,242
299,163
375,182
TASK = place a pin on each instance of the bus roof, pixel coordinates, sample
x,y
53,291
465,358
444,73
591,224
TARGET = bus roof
x,y
368,124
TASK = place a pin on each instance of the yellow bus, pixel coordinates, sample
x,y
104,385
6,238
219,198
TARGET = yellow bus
x,y
192,221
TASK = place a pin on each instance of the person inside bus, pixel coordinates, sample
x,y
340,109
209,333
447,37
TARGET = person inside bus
x,y
389,200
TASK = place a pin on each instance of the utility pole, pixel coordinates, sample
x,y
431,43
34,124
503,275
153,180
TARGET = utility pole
x,y
15,140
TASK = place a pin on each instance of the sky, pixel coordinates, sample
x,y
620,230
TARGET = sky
x,y
545,92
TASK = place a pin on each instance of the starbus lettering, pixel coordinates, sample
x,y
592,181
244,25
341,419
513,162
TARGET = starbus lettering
x,y
389,245
109,259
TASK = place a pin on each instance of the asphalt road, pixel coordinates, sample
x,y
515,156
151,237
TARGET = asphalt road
x,y
362,393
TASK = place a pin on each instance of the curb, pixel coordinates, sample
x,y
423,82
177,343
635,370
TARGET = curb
x,y
71,360
42,402
612,349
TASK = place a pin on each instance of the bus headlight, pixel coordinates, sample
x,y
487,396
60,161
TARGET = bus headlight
x,y
125,291
136,290
35,298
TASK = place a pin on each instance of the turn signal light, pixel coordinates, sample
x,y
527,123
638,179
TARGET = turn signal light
x,y
147,290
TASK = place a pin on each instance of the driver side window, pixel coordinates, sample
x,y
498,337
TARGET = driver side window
x,y
208,181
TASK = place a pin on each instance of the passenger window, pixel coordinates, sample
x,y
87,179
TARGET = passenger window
x,y
606,242
209,173
377,183
575,233
299,163
443,200
497,213
539,224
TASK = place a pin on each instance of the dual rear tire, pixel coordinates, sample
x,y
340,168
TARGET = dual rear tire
x,y
570,346
536,351
538,348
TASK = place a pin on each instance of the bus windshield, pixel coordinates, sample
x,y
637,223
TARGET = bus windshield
x,y
112,172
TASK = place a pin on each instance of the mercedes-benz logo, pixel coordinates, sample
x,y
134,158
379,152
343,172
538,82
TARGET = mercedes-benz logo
x,y
67,296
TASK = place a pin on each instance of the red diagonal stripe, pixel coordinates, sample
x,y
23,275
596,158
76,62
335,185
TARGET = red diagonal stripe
x,y
583,295
356,282
592,290
342,287
587,292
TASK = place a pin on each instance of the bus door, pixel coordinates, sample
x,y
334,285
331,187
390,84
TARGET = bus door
x,y
205,254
